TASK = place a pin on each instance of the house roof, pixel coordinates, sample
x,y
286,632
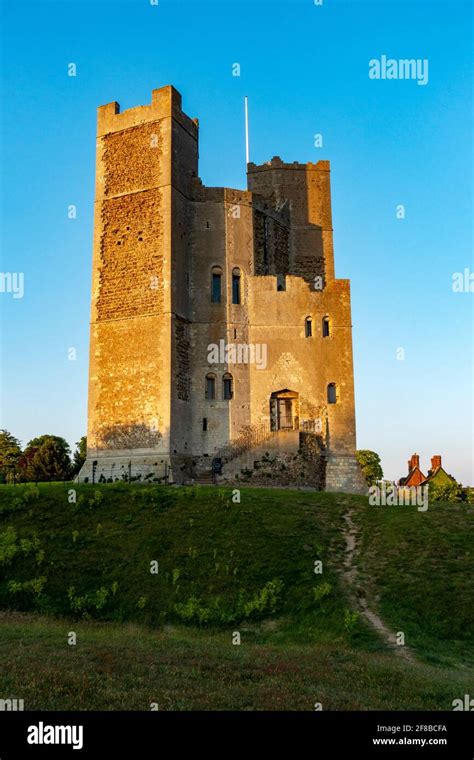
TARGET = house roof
x,y
433,473
406,480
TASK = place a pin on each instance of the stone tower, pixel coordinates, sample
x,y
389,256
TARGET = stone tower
x,y
217,324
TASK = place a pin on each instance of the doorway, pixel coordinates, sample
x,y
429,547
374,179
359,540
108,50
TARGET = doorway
x,y
284,413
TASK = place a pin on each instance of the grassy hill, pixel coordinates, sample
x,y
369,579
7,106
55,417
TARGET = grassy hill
x,y
419,569
226,567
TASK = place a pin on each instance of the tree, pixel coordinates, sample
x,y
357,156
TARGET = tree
x,y
448,492
80,455
46,458
10,453
370,465
25,465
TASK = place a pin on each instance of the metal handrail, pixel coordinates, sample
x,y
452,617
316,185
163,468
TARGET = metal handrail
x,y
254,436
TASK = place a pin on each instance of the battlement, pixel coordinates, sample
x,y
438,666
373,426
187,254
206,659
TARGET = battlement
x,y
179,267
165,102
277,163
220,194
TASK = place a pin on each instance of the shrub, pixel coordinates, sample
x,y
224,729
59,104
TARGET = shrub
x,y
350,621
448,492
35,586
98,499
8,545
28,545
321,591
193,611
265,601
86,604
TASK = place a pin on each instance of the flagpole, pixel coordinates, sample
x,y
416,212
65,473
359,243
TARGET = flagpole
x,y
247,152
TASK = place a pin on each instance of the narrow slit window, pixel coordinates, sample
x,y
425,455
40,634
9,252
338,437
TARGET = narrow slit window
x,y
332,393
204,424
210,387
308,327
216,285
228,390
236,286
326,327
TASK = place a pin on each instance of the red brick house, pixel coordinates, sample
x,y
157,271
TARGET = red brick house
x,y
436,474
415,476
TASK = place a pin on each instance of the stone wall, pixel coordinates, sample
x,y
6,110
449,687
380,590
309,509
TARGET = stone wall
x,y
305,189
146,161
158,234
304,466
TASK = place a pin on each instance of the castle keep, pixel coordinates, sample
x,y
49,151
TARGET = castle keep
x,y
220,338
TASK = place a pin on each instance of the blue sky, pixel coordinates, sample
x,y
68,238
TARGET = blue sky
x,y
305,70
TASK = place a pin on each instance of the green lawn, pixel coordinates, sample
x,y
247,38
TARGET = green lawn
x,y
226,567
129,667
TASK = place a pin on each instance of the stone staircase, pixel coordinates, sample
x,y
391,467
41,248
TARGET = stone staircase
x,y
250,439
205,479
278,442
343,474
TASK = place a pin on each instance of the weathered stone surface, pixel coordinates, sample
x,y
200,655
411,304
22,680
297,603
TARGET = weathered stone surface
x,y
159,235
343,474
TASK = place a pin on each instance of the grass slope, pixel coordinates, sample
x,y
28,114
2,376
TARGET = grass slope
x,y
226,567
219,562
418,567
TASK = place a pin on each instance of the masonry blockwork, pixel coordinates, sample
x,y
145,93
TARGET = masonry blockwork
x,y
217,323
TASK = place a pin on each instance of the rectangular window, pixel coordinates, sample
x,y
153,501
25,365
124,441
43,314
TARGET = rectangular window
x,y
216,288
210,388
235,288
227,388
204,424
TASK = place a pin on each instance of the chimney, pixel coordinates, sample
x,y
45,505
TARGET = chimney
x,y
435,462
413,462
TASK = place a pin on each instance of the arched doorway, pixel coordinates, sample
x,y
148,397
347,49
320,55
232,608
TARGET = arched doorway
x,y
284,410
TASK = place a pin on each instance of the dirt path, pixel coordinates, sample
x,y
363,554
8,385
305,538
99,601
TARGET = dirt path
x,y
357,594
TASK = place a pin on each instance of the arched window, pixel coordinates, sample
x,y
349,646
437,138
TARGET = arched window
x,y
210,387
227,387
216,284
308,327
236,285
326,327
333,393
